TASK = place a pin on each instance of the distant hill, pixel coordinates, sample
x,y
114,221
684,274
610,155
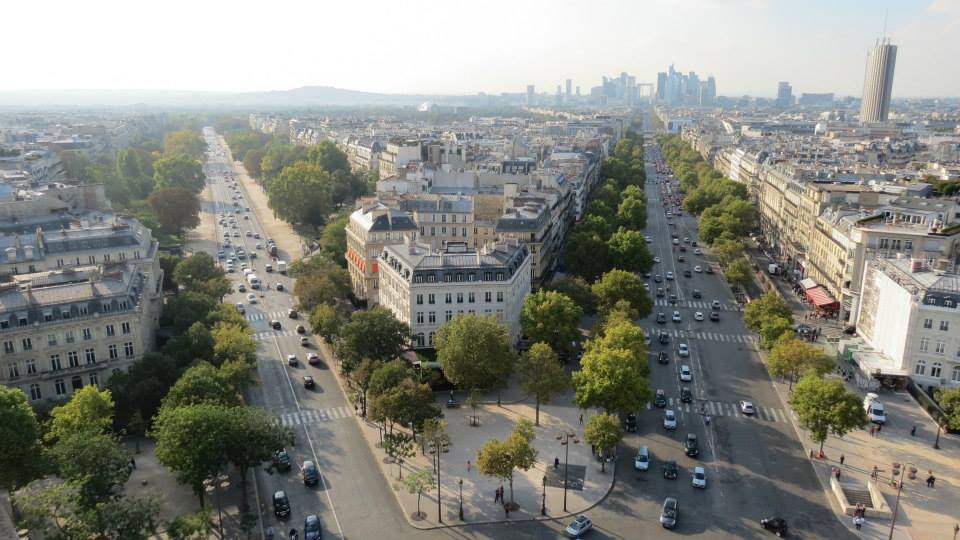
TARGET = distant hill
x,y
307,96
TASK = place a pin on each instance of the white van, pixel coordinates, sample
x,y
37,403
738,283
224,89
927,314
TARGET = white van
x,y
253,280
874,408
282,267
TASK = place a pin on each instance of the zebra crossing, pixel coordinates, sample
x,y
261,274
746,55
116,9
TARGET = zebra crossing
x,y
695,304
261,336
314,416
732,410
252,317
702,335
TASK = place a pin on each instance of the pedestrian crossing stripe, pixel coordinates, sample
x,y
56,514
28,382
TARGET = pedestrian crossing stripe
x,y
695,304
707,336
725,409
314,416
261,336
262,316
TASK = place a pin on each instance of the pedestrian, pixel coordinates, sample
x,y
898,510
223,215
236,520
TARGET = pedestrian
x,y
842,458
873,429
811,453
468,465
875,472
133,463
858,522
931,481
879,427
581,419
913,431
556,463
506,510
496,495
836,473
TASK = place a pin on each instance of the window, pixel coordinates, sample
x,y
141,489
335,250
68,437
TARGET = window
x,y
55,364
443,218
125,327
499,296
487,276
94,380
113,352
13,370
499,314
443,231
932,300
52,340
111,330
73,358
448,298
90,355
431,299
65,313
47,316
936,369
928,323
448,315
471,297
459,277
488,296
463,230
8,346
471,277
921,367
420,339
4,324
35,392
419,317
924,344
430,338
31,366
453,230
453,218
955,376
499,276
22,320
87,334
419,299
128,349
941,346
459,297
948,302
76,382
27,344
433,231
432,317
908,245
82,309
61,388
945,326
69,337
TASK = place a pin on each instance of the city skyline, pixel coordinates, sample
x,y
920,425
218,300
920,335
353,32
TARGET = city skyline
x,y
815,53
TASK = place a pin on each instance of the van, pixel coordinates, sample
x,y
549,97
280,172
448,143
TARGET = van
x,y
268,267
282,267
874,408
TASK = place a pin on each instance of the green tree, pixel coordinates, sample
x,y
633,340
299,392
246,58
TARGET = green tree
x,y
738,273
602,210
618,285
773,330
250,437
826,407
193,271
184,142
611,379
333,238
375,334
608,193
316,289
475,352
142,388
131,170
178,171
251,162
387,375
949,401
605,432
768,306
626,335
194,344
540,374
632,213
407,404
629,249
399,447
328,157
181,449
202,383
19,439
233,342
326,321
176,209
792,357
577,290
168,263
500,459
96,463
586,254
194,526
361,377
552,318
419,482
302,193
89,410
728,251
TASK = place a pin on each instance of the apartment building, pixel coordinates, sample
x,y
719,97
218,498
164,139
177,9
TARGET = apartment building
x,y
425,288
397,154
65,329
372,227
363,154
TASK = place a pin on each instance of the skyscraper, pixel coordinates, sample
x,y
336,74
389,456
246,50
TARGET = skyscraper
x,y
531,95
569,89
878,82
784,95
662,86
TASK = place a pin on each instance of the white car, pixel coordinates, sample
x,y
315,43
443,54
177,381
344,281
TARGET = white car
x,y
252,298
669,275
579,526
697,251
648,239
641,461
715,304
676,316
669,419
656,259
698,269
699,478
698,316
683,350
746,407
685,374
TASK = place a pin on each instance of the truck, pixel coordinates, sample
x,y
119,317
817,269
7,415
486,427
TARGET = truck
x,y
282,267
253,280
874,408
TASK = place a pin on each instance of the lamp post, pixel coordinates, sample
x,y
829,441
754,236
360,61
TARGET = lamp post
x,y
439,513
543,503
896,506
461,498
565,439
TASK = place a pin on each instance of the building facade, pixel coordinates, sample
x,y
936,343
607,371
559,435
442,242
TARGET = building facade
x,y
878,82
369,230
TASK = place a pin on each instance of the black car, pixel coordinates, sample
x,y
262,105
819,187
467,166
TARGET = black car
x,y
661,318
311,528
776,525
686,395
281,504
631,422
646,275
670,471
673,298
659,292
687,273
275,325
664,338
683,249
714,316
660,399
697,294
693,243
281,460
663,358
709,269
308,382
658,278
690,446
310,473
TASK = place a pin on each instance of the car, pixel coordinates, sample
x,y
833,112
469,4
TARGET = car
x,y
258,245
292,359
648,239
579,526
658,278
698,316
709,270
256,234
699,479
241,288
646,275
279,287
669,276
683,350
230,269
697,293
746,407
304,341
676,316
676,242
646,341
301,329
686,239
246,217
308,381
663,358
249,234
664,338
630,422
221,254
281,460
673,298
659,292
686,395
715,304
669,419
281,504
252,298
240,308
660,399
641,462
670,470
310,473
691,447
656,260
687,273
311,528
292,313
236,234
313,358
681,258
693,243
670,513
685,374
661,318
697,251
714,316
646,286
275,324
776,525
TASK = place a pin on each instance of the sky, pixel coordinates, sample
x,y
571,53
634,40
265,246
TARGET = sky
x,y
461,47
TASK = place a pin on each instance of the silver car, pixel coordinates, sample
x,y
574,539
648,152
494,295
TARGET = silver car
x,y
670,513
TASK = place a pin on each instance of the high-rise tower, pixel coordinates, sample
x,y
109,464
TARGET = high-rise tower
x,y
878,82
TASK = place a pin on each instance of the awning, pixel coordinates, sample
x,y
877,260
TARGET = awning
x,y
808,283
820,297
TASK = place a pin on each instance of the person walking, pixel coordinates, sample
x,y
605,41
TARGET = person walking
x,y
842,458
873,430
858,522
581,419
468,465
836,473
913,431
506,510
879,427
556,463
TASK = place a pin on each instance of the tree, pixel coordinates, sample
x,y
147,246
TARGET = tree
x,y
89,410
792,357
333,238
316,289
142,388
632,213
612,379
176,209
190,442
769,305
301,194
629,249
586,254
728,251
541,374
608,193
738,273
251,162
185,142
326,321
96,463
132,171
399,448
250,437
202,383
178,171
408,404
168,263
577,290
618,285
19,434
361,377
475,352
194,526
552,318
375,334
194,344
499,459
328,157
949,401
826,407
602,210
233,342
605,432
626,335
194,271
774,329
419,482
388,375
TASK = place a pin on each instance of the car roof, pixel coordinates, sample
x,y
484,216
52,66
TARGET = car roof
x,y
698,470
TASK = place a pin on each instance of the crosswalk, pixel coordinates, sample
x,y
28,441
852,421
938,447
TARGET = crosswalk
x,y
261,336
702,335
724,409
695,304
314,416
252,317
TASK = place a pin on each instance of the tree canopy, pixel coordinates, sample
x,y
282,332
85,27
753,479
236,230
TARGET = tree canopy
x,y
540,374
475,352
552,318
826,407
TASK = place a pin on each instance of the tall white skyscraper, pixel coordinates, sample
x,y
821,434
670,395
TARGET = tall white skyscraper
x,y
878,82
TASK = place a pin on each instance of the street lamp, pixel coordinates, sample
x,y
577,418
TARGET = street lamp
x,y
461,498
543,503
896,507
565,439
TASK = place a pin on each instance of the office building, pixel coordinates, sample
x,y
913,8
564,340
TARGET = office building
x,y
662,86
784,95
531,96
569,89
878,82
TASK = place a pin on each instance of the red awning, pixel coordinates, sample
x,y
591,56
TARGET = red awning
x,y
820,297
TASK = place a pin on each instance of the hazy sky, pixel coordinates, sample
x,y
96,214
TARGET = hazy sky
x,y
402,46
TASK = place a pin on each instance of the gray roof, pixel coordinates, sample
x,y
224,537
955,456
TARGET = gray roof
x,y
420,260
441,204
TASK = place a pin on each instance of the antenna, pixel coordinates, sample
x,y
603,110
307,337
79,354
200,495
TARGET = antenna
x,y
886,13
